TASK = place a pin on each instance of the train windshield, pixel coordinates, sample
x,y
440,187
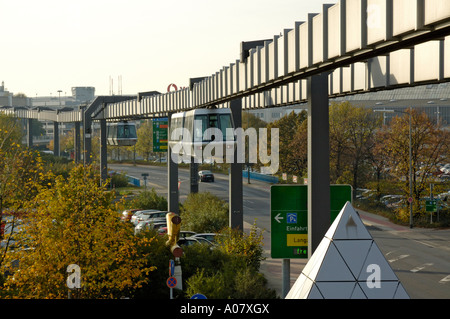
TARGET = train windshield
x,y
225,122
219,121
200,125
126,131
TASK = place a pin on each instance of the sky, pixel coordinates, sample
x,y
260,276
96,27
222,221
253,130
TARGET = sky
x,y
52,45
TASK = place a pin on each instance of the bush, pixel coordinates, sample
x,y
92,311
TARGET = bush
x,y
229,270
204,212
149,200
119,180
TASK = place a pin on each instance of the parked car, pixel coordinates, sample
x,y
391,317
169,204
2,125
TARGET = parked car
x,y
137,214
151,216
127,214
149,224
188,241
206,176
211,237
186,233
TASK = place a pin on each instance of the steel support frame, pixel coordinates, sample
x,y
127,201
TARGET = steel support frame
x,y
172,177
235,184
103,151
56,151
318,161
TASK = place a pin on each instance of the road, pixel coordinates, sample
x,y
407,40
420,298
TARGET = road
x,y
419,257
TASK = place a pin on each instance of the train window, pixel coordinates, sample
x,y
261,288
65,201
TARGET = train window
x,y
176,123
213,121
200,125
225,122
126,131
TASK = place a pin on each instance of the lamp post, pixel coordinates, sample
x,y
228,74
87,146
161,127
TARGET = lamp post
x,y
410,199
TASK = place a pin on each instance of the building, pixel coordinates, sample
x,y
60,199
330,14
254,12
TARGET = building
x,y
433,99
9,99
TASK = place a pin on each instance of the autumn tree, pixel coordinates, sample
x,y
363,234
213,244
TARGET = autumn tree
x,y
288,126
430,145
75,222
352,131
20,170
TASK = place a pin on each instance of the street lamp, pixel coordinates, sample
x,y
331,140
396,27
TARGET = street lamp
x,y
410,199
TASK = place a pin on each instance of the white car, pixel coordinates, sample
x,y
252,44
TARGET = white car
x,y
153,215
135,216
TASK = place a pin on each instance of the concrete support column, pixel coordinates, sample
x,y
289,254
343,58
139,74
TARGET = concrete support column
x,y
318,161
103,152
194,175
29,133
77,143
236,204
56,139
172,177
87,145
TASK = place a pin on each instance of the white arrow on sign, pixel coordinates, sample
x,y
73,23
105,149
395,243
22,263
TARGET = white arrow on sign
x,y
278,218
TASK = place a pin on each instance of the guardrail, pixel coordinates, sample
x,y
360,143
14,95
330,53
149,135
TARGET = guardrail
x,y
133,180
260,177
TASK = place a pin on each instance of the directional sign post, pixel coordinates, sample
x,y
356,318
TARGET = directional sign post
x,y
171,283
160,135
431,205
289,217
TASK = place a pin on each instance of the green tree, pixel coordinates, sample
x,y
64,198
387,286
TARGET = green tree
x,y
148,200
204,212
144,144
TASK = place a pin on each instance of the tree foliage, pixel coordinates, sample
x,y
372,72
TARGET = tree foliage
x,y
288,126
204,212
430,145
73,221
144,144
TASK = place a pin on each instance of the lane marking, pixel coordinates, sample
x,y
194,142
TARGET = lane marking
x,y
445,280
398,258
417,269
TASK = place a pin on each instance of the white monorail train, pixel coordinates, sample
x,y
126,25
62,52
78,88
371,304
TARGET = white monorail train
x,y
121,134
205,133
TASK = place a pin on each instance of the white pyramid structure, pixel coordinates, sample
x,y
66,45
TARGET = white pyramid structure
x,y
347,264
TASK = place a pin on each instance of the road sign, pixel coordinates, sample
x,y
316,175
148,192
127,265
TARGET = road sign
x,y
289,217
171,267
171,282
198,296
431,205
160,135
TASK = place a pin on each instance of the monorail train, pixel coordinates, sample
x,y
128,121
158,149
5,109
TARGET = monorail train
x,y
121,134
206,131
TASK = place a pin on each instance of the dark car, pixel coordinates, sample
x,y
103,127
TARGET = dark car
x,y
206,176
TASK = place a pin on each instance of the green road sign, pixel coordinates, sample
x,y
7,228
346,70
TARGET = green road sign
x,y
289,217
160,135
431,205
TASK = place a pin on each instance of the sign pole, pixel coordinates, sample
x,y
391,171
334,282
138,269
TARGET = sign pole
x,y
286,277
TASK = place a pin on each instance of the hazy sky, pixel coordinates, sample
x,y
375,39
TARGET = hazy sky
x,y
51,45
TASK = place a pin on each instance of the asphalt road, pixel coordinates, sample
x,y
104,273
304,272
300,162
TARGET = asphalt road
x,y
419,257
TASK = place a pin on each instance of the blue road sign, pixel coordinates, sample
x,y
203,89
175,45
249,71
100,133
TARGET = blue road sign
x,y
291,218
171,282
171,267
198,296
